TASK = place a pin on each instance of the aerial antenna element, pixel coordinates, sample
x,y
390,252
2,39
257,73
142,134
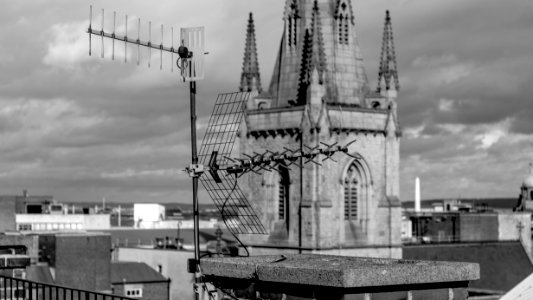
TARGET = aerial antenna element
x,y
190,52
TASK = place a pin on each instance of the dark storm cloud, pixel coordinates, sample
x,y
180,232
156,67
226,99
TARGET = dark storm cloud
x,y
81,127
465,74
476,53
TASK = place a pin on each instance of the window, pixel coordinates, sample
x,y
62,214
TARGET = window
x,y
351,193
133,291
343,23
19,273
262,105
283,191
292,25
24,227
283,194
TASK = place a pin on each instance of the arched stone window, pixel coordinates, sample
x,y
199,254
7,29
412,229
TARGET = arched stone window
x,y
356,189
352,191
261,105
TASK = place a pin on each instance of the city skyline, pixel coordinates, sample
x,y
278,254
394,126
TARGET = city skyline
x,y
80,127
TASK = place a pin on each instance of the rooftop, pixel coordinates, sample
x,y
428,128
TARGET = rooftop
x,y
503,264
339,271
134,272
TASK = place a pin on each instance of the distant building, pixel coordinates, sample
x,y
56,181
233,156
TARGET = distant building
x,y
76,260
35,204
44,214
21,244
525,199
502,264
7,213
61,222
79,260
138,280
12,265
495,237
152,216
146,214
461,227
10,205
319,92
171,264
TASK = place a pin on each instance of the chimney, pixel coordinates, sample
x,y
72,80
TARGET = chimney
x,y
25,193
417,194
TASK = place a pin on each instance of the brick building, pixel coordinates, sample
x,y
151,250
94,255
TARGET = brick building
x,y
7,213
78,260
138,280
318,93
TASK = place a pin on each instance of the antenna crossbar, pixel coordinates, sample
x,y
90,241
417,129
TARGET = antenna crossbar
x,y
267,161
190,49
131,41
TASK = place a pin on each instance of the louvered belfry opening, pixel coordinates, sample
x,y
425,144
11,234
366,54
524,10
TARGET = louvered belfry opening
x,y
283,193
292,25
351,193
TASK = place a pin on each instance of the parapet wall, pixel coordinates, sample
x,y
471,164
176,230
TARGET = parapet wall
x,y
337,277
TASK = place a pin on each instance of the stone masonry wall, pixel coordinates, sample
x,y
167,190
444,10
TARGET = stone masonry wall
x,y
323,210
7,213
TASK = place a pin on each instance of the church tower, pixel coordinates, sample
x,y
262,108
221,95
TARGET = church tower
x,y
319,93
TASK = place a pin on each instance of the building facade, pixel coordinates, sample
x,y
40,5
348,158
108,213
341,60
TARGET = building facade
x,y
319,93
525,199
78,260
138,280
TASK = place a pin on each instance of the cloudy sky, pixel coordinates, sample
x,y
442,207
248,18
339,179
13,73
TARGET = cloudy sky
x,y
80,127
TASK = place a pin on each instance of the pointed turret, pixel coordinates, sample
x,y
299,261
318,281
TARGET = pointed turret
x,y
388,70
313,56
305,75
250,77
331,28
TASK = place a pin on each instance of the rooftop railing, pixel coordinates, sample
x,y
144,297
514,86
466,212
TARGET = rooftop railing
x,y
21,289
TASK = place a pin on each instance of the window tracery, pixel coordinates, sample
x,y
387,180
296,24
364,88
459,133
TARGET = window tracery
x,y
352,192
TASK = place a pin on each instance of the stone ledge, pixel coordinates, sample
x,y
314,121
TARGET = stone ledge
x,y
339,271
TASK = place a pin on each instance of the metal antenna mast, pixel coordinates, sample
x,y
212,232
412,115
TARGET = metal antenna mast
x,y
215,153
191,65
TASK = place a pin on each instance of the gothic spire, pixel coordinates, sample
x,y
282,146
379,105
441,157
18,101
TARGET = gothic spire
x,y
388,70
318,57
313,56
250,76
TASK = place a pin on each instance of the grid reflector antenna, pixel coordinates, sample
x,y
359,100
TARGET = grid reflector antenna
x,y
191,49
222,130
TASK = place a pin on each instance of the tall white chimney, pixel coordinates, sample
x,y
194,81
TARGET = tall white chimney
x,y
417,194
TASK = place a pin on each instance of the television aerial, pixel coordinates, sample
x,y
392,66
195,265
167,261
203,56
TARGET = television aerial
x,y
214,157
